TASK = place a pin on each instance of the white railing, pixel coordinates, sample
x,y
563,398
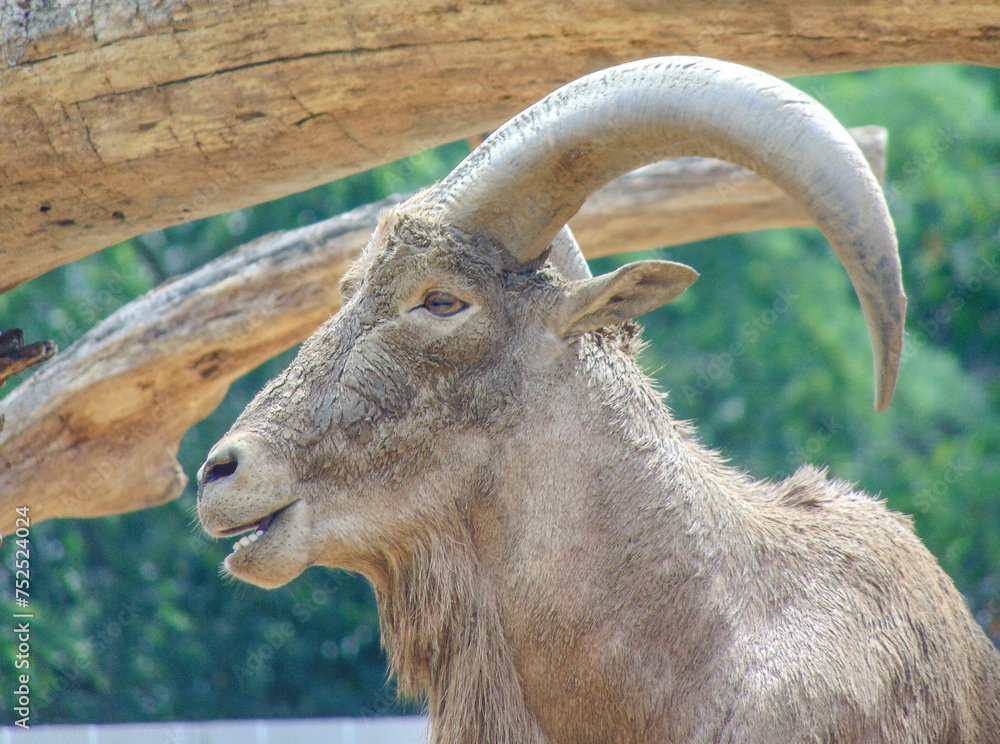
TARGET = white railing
x,y
298,731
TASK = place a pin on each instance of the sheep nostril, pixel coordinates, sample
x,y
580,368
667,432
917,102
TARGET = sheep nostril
x,y
219,470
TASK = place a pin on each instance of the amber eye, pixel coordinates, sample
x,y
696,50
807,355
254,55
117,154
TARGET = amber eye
x,y
443,304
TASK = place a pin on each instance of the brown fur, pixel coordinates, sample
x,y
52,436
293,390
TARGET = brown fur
x,y
555,558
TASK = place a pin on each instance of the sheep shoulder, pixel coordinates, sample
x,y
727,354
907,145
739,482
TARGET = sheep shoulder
x,y
844,618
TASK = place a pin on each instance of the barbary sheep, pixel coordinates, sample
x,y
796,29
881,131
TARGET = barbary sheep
x,y
555,558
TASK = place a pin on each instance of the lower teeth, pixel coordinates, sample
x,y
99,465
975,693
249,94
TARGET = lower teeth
x,y
247,540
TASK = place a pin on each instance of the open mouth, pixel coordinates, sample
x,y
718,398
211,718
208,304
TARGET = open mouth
x,y
256,529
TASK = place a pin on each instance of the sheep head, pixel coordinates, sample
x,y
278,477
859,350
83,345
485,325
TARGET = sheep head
x,y
430,351
453,325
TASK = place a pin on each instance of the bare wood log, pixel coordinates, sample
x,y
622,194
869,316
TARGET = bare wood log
x,y
97,431
122,117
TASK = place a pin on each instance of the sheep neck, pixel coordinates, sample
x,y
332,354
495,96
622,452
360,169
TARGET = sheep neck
x,y
462,607
616,550
444,639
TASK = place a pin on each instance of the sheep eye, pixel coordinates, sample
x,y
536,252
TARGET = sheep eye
x,y
443,304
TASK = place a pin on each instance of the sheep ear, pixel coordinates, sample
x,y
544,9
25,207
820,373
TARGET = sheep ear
x,y
632,290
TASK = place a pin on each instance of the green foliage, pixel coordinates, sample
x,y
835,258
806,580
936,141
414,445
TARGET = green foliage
x,y
767,353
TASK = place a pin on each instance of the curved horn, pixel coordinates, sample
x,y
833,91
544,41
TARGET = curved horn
x,y
566,256
531,175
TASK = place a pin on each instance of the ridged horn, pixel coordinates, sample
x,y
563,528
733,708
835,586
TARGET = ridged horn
x,y
566,256
531,175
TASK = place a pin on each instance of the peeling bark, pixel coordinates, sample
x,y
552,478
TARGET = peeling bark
x,y
123,117
97,430
15,357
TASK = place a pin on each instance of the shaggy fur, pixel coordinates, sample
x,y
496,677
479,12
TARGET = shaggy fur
x,y
555,558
